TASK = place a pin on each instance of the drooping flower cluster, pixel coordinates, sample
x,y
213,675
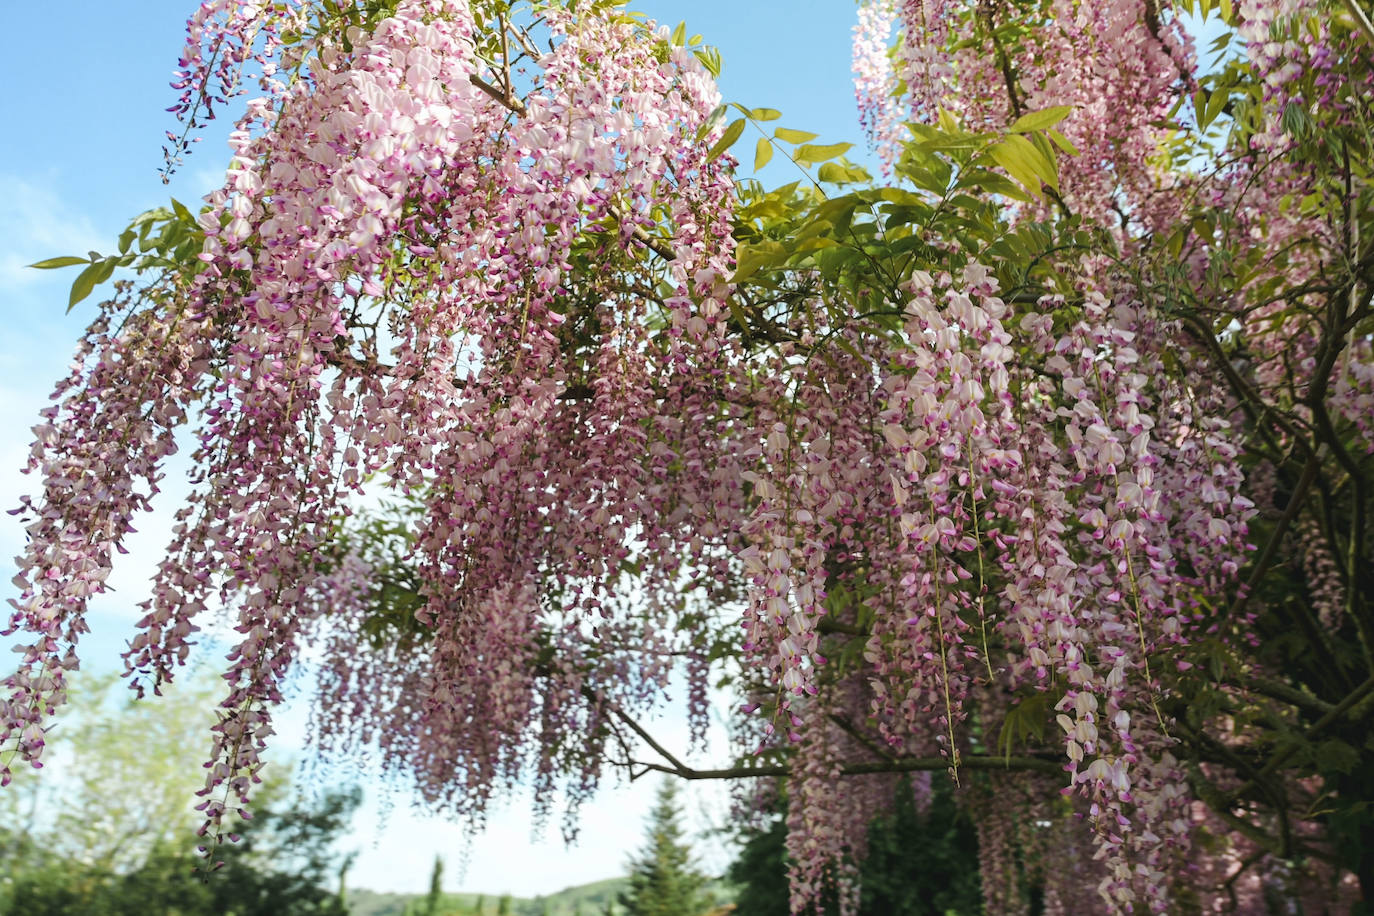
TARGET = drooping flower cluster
x,y
392,183
1353,396
1118,66
875,82
1041,502
98,452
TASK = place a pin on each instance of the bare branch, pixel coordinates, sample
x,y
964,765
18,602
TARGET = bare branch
x,y
896,765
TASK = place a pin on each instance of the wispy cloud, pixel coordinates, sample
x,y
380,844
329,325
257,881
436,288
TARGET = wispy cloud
x,y
37,224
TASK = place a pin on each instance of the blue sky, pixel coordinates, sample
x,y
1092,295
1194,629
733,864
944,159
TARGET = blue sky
x,y
83,87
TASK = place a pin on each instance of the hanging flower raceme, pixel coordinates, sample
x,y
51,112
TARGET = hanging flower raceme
x,y
98,451
948,425
875,81
1115,65
390,175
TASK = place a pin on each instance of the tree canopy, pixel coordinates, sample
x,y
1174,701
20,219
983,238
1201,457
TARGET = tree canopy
x,y
1043,458
115,834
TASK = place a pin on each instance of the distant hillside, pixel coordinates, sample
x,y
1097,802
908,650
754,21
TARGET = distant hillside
x,y
595,899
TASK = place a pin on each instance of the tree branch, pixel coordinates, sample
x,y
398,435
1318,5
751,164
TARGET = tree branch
x,y
1309,474
1277,690
1362,22
1278,760
896,765
509,102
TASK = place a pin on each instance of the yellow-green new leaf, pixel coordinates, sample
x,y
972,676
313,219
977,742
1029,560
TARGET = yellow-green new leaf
x,y
1216,104
1023,162
1040,120
753,258
53,263
814,244
789,135
821,152
836,173
83,285
710,59
1061,141
183,212
765,114
763,152
727,140
712,121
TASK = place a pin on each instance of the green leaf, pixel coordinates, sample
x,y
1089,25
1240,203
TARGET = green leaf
x,y
1336,756
184,214
84,283
753,258
837,173
765,114
762,153
737,312
768,208
727,140
832,208
1295,121
680,34
710,59
1023,721
1061,141
789,135
107,268
712,121
1040,120
1016,166
67,261
932,139
820,225
814,244
901,196
1023,162
1216,104
821,152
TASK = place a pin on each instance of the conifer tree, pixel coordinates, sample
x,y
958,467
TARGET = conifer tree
x,y
436,890
663,879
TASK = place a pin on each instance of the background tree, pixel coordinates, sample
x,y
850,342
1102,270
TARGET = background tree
x,y
114,834
125,788
663,879
285,862
280,866
433,901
